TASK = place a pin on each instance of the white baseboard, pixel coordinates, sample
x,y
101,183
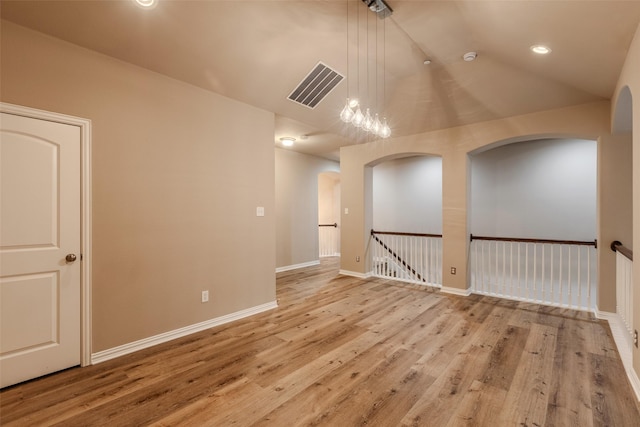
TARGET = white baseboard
x,y
296,266
112,353
456,291
624,344
355,274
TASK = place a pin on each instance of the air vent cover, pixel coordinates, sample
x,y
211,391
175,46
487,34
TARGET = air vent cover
x,y
318,83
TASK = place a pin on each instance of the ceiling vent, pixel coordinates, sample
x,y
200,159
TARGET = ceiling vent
x,y
316,85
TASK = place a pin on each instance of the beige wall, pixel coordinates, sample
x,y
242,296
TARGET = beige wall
x,y
297,206
630,77
329,207
588,121
614,220
328,197
177,177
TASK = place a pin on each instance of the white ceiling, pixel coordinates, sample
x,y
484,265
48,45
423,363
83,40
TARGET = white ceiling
x,y
258,51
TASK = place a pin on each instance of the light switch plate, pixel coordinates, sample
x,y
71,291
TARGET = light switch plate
x,y
259,211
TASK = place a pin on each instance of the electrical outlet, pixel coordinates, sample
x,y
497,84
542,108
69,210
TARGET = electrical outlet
x,y
205,296
635,338
453,270
357,259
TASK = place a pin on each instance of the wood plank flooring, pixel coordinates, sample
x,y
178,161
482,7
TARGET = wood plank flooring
x,y
340,351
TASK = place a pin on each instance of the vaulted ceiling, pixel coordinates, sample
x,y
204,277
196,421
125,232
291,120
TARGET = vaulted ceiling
x,y
258,51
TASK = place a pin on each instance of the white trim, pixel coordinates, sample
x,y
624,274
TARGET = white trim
x,y
296,266
623,343
85,215
604,315
112,353
534,301
456,291
335,254
355,274
409,281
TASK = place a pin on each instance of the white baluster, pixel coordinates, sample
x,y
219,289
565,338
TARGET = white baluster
x,y
579,296
569,294
551,277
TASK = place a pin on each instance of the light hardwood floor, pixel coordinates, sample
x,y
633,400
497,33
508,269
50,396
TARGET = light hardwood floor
x,y
340,351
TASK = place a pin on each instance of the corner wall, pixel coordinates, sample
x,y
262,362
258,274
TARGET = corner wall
x,y
177,177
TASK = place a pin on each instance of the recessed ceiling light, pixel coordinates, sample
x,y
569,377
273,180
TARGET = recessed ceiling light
x,y
469,56
287,141
540,49
427,62
146,4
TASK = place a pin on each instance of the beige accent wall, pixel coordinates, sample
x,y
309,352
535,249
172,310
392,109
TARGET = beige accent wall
x,y
630,77
177,175
297,206
589,121
328,197
614,220
329,204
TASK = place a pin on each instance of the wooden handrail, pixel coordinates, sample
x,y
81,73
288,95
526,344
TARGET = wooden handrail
x,y
617,246
335,224
398,233
593,243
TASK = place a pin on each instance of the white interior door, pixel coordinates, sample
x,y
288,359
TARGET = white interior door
x,y
39,237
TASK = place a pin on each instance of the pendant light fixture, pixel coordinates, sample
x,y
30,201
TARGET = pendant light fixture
x,y
146,4
352,111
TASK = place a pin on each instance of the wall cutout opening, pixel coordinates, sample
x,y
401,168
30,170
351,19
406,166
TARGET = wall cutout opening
x,y
406,242
533,222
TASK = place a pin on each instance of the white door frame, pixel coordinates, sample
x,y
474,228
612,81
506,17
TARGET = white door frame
x,y
85,214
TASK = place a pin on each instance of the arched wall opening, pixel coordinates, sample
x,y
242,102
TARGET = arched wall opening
x,y
532,218
622,129
406,217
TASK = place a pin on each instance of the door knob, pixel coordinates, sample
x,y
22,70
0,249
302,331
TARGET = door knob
x,y
70,257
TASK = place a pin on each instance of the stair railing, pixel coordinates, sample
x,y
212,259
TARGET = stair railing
x,y
410,257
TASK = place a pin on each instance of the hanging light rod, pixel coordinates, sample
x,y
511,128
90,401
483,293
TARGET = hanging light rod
x,y
352,112
379,7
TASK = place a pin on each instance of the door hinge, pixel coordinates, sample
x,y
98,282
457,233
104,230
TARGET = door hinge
x,y
81,257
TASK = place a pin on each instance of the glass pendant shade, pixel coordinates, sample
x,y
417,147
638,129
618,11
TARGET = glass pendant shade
x,y
375,127
385,130
347,114
367,123
358,118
